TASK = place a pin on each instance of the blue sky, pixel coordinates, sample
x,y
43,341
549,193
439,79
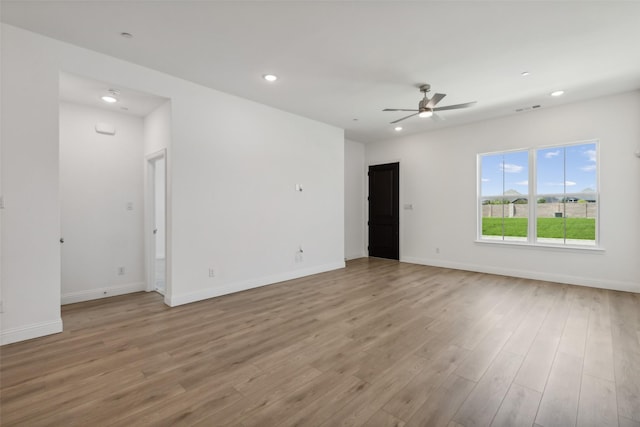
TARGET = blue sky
x,y
569,169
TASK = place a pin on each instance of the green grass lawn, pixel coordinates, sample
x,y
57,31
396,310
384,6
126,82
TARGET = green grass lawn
x,y
577,228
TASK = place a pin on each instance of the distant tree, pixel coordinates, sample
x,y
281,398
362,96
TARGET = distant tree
x,y
542,200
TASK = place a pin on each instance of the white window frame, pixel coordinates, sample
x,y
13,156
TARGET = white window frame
x,y
532,196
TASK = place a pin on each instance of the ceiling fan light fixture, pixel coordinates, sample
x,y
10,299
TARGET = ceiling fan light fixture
x,y
557,93
425,114
397,128
111,96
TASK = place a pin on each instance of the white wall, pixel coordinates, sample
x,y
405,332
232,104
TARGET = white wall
x,y
354,199
439,168
101,176
234,204
157,129
31,215
233,165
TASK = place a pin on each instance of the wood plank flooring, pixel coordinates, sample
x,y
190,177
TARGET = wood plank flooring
x,y
379,343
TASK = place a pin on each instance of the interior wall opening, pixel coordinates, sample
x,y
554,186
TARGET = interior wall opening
x,y
104,190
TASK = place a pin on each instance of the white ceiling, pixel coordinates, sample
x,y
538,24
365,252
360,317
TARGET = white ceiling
x,y
344,60
81,90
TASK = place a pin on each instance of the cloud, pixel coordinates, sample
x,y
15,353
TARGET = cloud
x,y
560,184
485,180
525,183
589,168
551,154
591,154
510,168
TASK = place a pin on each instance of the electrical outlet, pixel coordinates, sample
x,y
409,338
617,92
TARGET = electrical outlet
x,y
120,271
129,206
212,272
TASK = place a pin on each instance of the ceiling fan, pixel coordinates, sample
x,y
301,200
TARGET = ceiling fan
x,y
427,107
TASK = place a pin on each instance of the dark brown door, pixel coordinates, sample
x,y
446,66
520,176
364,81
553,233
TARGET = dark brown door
x,y
384,211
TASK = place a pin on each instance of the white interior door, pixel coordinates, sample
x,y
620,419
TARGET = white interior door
x,y
157,253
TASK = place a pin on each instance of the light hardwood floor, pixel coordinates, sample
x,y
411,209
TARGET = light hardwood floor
x,y
379,343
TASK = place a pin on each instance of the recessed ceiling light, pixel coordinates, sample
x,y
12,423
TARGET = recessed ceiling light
x,y
127,35
270,77
397,128
426,114
557,93
524,73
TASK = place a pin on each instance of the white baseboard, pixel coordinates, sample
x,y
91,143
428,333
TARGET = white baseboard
x,y
30,331
356,256
229,288
614,285
109,291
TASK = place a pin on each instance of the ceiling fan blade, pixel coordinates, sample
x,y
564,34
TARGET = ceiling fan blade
x,y
435,99
410,115
397,109
437,118
455,107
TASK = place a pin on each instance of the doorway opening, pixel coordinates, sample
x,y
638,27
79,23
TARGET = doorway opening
x,y
103,198
384,211
156,220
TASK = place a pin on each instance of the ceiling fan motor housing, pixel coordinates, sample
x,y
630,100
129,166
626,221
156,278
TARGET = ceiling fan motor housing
x,y
422,105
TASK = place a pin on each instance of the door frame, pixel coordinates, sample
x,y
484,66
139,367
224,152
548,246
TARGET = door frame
x,y
149,221
366,204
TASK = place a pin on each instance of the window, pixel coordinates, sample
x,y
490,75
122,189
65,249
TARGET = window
x,y
504,193
555,187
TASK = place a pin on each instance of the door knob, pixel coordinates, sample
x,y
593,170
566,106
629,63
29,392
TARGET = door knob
x,y
62,240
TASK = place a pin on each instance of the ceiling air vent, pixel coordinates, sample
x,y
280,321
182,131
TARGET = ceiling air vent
x,y
533,107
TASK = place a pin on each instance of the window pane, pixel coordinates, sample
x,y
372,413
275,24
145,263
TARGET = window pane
x,y
550,224
550,173
567,194
581,165
504,191
581,192
492,182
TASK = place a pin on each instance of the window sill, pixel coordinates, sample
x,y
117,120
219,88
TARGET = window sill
x,y
544,246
